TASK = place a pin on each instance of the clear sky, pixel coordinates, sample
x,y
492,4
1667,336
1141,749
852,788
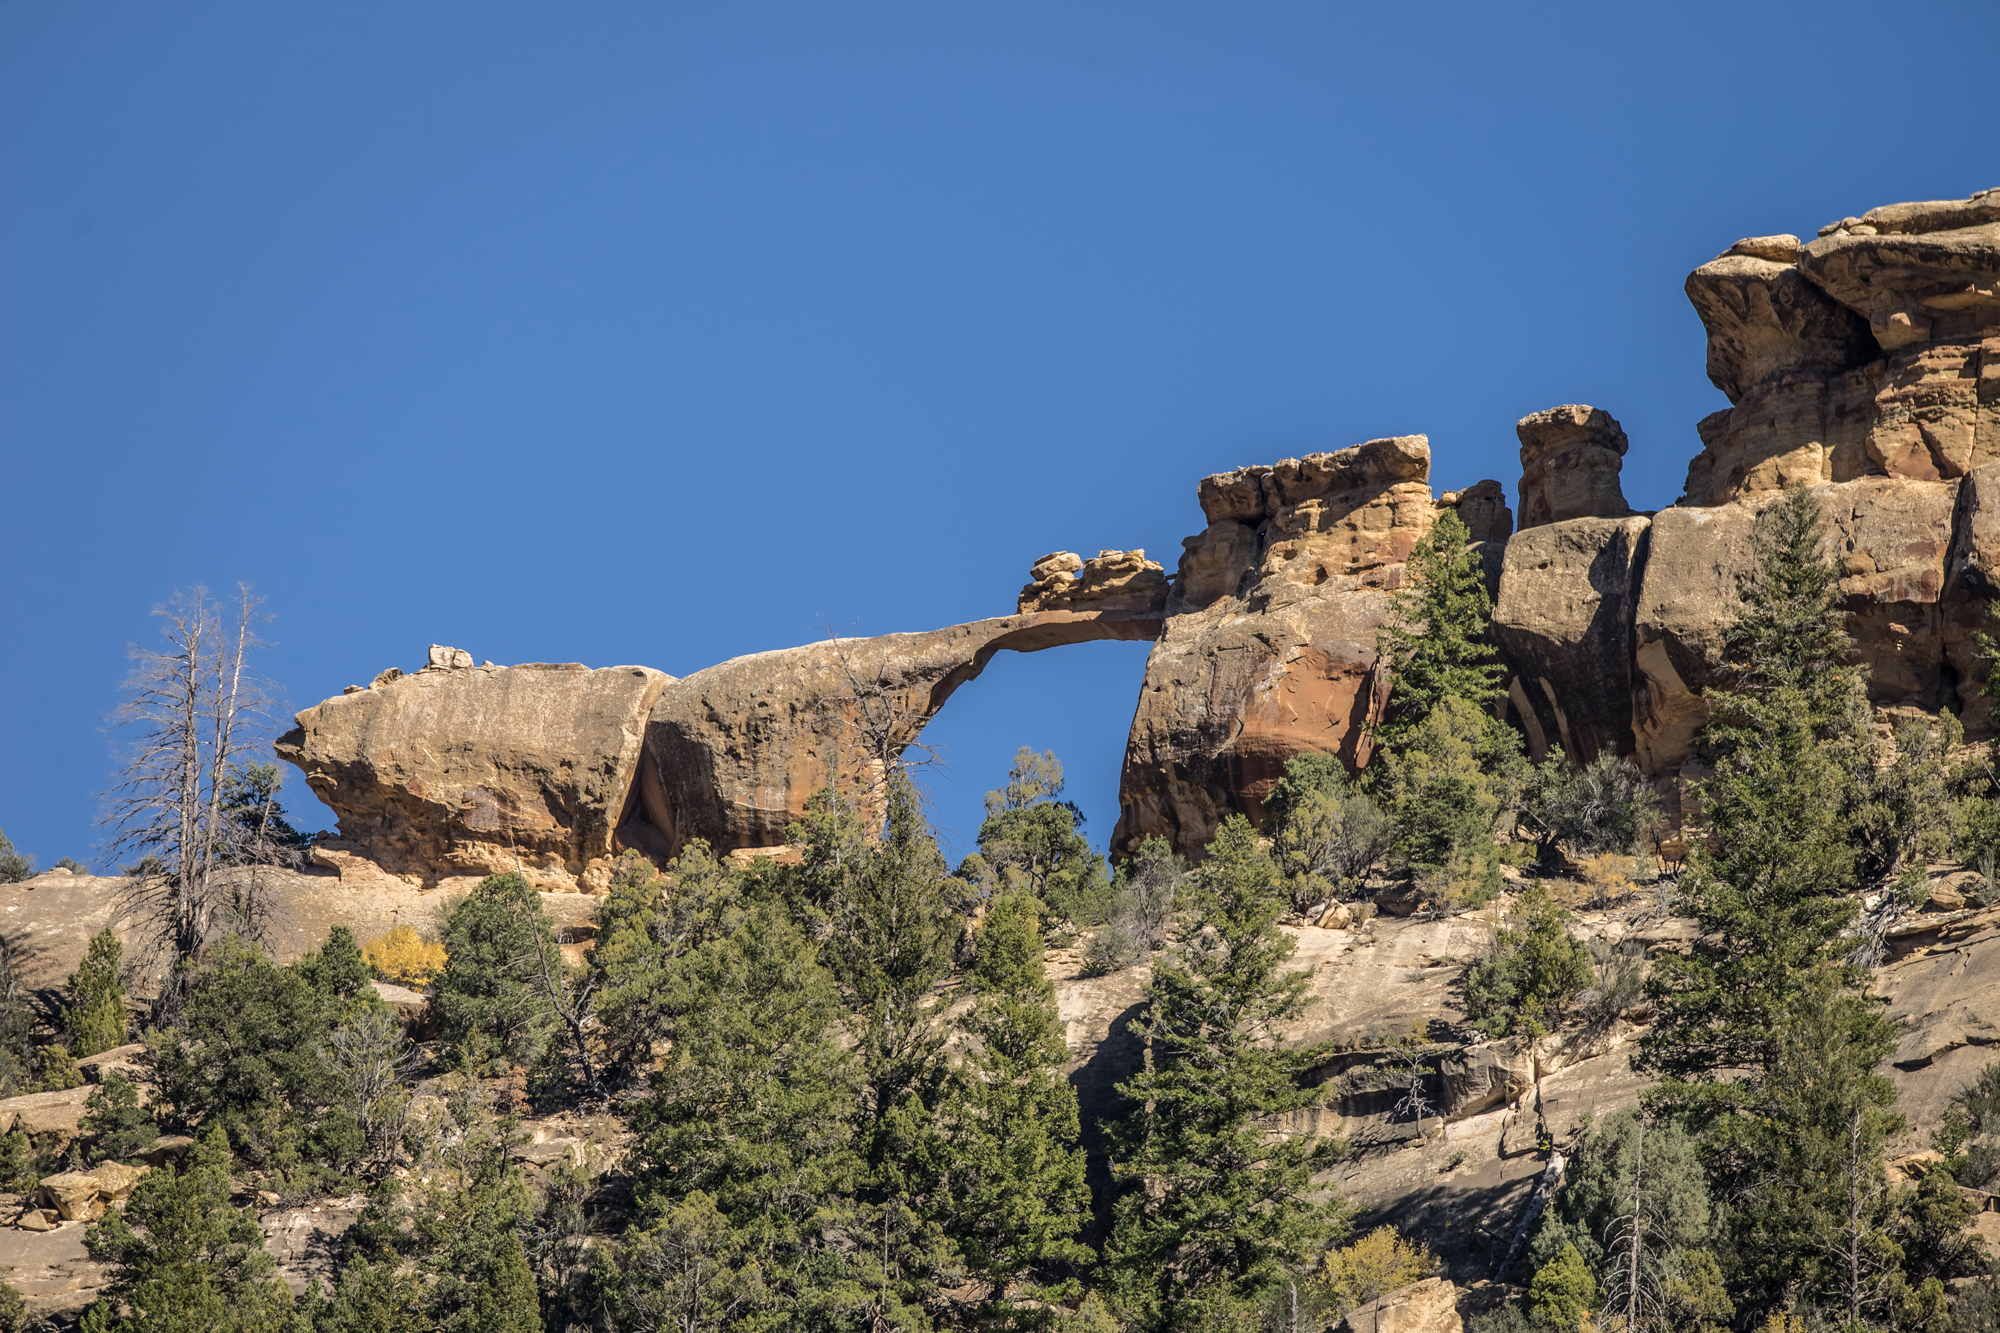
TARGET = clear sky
x,y
662,333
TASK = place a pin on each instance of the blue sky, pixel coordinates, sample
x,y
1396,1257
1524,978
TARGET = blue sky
x,y
663,333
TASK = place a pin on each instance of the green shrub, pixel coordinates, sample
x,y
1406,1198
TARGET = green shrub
x,y
1602,806
59,1071
1563,1295
1526,984
14,866
116,1126
1326,837
93,1012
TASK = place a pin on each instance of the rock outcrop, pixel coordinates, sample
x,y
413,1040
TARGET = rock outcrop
x,y
1873,350
1864,364
1429,1306
1570,460
462,770
1268,648
1115,581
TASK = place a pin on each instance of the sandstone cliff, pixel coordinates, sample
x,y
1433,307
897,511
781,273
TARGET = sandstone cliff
x,y
1864,364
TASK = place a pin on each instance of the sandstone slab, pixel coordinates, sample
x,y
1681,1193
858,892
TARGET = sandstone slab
x,y
1429,1306
477,770
734,751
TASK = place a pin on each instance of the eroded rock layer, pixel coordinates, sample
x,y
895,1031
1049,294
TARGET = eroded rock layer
x,y
459,770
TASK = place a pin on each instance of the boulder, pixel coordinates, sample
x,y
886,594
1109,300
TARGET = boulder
x,y
1481,1077
1429,1306
1563,621
1113,581
75,1196
1570,460
37,1113
460,770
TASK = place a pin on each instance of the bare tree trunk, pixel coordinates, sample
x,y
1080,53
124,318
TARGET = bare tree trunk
x,y
1638,1225
572,1012
196,710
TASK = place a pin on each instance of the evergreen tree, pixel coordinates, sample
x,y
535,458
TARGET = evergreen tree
x,y
14,866
1635,1205
490,999
1769,884
1563,1295
1535,970
114,1124
646,925
1436,645
1802,1158
754,1108
1326,836
1030,840
1455,780
1017,1189
93,1012
1217,1212
444,1253
182,1260
251,1055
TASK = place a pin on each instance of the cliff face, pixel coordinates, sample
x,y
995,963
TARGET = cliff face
x,y
1268,648
1864,364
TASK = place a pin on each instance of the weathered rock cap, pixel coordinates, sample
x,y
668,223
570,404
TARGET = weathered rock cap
x,y
1918,218
1570,460
1114,581
1250,494
1923,272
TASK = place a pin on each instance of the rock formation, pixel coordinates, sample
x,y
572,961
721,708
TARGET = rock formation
x,y
1864,364
1115,581
1871,351
734,751
1570,459
463,770
1268,648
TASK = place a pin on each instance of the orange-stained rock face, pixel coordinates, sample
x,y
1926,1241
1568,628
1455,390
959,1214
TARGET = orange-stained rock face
x,y
1268,649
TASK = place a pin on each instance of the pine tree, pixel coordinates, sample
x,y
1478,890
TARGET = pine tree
x,y
1326,836
1563,1295
1030,839
1802,1160
490,999
114,1123
646,924
754,1108
1769,884
182,1259
1018,1197
1635,1205
93,1011
1435,645
1216,1211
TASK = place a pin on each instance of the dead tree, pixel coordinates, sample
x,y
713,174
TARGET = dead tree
x,y
196,713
